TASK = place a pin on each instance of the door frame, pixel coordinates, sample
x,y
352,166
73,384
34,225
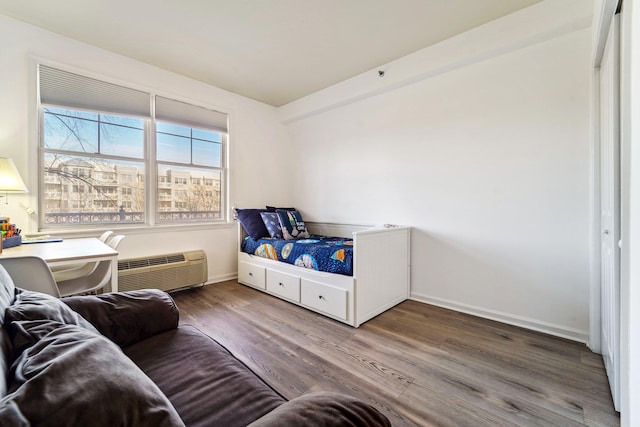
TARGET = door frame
x,y
602,23
610,192
630,215
630,200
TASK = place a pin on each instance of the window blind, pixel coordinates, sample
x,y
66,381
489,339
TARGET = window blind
x,y
65,89
179,112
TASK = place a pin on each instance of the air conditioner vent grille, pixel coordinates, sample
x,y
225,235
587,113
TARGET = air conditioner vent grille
x,y
148,262
165,272
175,258
158,260
138,263
128,265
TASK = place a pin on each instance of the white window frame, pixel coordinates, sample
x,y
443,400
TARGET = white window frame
x,y
152,188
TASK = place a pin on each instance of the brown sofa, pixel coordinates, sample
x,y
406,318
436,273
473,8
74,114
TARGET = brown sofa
x,y
121,359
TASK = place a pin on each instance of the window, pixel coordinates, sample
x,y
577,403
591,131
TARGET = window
x,y
181,180
199,159
97,153
85,150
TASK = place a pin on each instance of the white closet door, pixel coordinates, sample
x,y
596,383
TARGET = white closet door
x,y
610,207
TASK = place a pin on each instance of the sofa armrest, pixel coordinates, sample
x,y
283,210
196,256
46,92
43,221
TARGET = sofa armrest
x,y
323,409
128,317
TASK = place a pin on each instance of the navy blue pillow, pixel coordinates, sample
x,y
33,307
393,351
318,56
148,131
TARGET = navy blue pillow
x,y
273,209
252,223
272,223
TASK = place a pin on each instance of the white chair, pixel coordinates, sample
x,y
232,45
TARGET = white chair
x,y
31,273
115,241
104,237
68,272
94,280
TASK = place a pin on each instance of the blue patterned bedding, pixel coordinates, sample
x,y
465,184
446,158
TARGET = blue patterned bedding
x,y
329,254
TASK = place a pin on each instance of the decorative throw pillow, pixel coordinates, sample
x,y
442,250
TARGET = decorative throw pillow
x,y
272,223
252,222
72,376
274,209
292,225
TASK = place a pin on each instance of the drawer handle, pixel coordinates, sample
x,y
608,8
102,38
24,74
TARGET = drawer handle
x,y
251,274
281,284
321,297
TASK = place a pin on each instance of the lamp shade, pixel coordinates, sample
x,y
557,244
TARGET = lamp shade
x,y
10,179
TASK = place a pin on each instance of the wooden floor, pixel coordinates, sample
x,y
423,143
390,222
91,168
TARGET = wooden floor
x,y
418,364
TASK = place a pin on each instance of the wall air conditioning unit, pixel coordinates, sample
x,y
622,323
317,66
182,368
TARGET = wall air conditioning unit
x,y
165,272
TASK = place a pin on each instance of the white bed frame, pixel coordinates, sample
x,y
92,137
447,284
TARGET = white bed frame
x,y
381,274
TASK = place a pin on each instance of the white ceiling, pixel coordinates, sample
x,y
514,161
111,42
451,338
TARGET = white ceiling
x,y
274,51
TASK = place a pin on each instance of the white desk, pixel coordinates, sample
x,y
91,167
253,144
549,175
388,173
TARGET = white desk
x,y
69,251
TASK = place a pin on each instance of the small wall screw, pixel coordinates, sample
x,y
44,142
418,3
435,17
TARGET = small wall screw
x,y
381,73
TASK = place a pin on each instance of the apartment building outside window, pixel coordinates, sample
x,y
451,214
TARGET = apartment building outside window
x,y
98,152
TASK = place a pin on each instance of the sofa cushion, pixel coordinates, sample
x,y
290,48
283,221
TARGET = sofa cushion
x,y
5,351
203,381
34,307
7,291
323,409
73,376
128,317
7,295
30,305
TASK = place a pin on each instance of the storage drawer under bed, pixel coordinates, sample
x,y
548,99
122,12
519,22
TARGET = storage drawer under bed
x,y
250,274
324,298
284,285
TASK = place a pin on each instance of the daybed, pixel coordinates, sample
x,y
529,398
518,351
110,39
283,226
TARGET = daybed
x,y
380,280
121,359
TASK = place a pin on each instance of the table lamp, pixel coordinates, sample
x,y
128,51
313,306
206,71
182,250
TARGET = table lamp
x,y
10,179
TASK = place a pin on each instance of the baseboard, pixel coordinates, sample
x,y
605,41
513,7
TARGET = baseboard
x,y
524,322
222,278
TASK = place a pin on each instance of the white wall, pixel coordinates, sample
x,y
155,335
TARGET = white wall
x,y
254,133
480,143
488,160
